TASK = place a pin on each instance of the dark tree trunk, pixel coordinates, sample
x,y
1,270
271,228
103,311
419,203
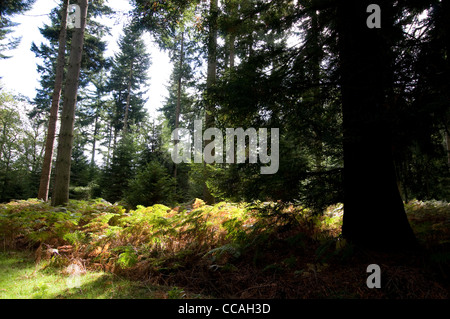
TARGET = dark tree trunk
x,y
127,106
53,119
65,141
374,215
96,128
178,107
210,81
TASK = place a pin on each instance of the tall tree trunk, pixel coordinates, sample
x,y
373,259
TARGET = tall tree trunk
x,y
447,144
232,49
232,8
65,142
316,59
53,119
178,108
210,81
94,140
366,61
127,106
110,137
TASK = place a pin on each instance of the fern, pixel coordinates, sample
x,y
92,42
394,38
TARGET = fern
x,y
223,252
128,257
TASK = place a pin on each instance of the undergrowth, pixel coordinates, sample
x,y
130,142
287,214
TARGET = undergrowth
x,y
262,249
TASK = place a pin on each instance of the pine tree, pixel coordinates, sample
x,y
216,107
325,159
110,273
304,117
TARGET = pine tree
x,y
121,169
93,59
9,8
54,66
210,83
128,76
365,56
51,132
65,141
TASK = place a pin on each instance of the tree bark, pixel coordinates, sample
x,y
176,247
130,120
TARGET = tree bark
x,y
127,106
210,81
178,108
315,65
53,119
447,148
65,142
94,140
378,221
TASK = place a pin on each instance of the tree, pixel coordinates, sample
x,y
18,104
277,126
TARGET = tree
x,y
65,142
152,185
128,75
51,133
10,132
210,82
97,108
422,145
366,70
93,59
121,168
9,8
21,148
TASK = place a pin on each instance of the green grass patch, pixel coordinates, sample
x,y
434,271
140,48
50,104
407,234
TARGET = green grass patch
x,y
20,278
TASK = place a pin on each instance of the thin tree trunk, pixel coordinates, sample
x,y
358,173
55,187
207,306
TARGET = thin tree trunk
x,y
210,81
65,142
94,140
316,60
178,108
365,61
232,49
53,119
110,137
447,143
127,106
232,34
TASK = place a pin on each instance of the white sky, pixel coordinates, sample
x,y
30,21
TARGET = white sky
x,y
19,73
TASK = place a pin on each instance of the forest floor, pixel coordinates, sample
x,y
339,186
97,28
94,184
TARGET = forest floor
x,y
22,278
262,250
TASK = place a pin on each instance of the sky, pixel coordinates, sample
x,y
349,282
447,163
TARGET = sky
x,y
19,75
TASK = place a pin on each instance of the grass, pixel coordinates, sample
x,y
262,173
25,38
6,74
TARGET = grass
x,y
20,278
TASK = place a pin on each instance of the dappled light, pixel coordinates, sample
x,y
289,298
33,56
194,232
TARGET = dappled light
x,y
234,149
231,250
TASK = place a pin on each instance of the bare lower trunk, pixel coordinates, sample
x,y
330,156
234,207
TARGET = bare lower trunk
x,y
365,58
53,119
127,106
178,108
210,81
447,143
94,140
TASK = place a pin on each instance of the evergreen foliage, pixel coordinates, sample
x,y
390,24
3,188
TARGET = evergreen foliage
x,y
250,64
9,8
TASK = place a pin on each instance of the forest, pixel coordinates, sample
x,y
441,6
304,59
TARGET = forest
x,y
300,141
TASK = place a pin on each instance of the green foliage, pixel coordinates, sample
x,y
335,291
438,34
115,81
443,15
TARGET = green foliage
x,y
127,256
152,185
121,169
128,78
176,293
20,141
274,238
8,9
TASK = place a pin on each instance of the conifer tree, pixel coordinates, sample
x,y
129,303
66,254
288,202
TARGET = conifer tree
x,y
129,76
65,142
53,118
9,8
